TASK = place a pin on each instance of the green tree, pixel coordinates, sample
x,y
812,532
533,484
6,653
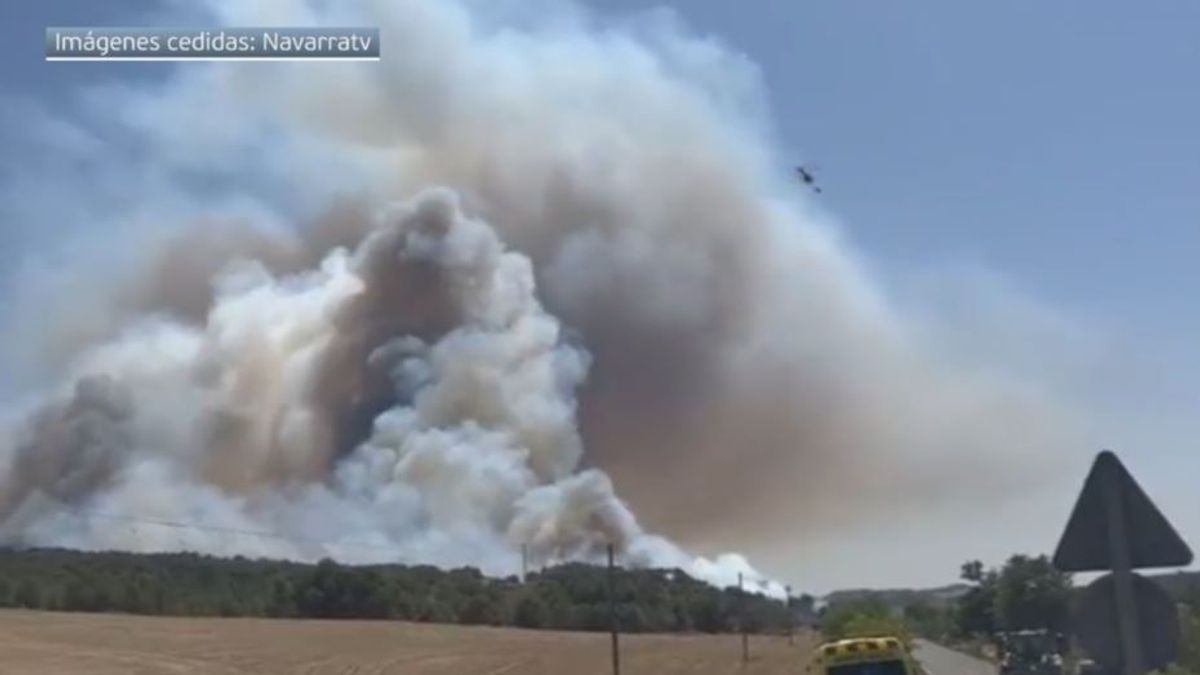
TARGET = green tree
x,y
1027,592
972,571
29,595
975,614
281,598
531,612
432,610
482,609
1189,625
708,616
806,603
403,606
593,617
1030,593
928,621
573,596
864,618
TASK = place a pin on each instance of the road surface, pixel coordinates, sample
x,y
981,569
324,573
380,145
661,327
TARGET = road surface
x,y
941,661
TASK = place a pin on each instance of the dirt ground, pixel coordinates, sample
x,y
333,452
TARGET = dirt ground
x,y
50,643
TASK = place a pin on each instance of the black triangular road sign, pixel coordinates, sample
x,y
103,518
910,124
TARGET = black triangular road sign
x,y
1151,540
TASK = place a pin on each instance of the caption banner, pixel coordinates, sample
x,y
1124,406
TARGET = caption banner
x,y
204,44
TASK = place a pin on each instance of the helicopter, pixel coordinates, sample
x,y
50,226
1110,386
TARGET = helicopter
x,y
805,175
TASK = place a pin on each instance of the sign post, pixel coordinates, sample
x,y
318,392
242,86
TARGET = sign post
x,y
1118,553
1116,527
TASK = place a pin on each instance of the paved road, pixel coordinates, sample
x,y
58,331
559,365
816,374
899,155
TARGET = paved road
x,y
941,661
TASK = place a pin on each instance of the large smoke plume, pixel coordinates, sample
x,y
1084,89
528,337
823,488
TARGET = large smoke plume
x,y
375,343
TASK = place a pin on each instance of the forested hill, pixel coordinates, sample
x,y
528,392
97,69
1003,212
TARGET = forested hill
x,y
1179,585
943,596
569,597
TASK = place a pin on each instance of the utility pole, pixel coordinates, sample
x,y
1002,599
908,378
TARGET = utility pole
x,y
524,562
791,616
742,621
612,613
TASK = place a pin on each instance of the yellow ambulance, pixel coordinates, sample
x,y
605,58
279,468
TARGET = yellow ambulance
x,y
884,655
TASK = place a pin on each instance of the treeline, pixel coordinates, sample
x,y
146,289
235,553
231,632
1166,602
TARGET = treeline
x,y
567,597
1025,593
1188,660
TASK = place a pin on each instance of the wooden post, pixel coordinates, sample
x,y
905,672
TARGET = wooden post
x,y
612,614
742,621
791,617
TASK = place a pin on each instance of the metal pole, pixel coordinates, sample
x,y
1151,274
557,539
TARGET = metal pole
x,y
1118,553
742,621
524,562
612,614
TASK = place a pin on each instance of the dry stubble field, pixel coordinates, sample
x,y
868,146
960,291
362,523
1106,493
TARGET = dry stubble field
x,y
58,644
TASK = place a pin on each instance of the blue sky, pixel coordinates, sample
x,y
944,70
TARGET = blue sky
x,y
1054,147
1051,141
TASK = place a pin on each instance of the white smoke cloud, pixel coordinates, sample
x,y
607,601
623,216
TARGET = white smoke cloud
x,y
286,350
216,424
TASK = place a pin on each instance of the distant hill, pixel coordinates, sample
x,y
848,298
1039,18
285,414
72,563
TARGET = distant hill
x,y
899,598
1177,584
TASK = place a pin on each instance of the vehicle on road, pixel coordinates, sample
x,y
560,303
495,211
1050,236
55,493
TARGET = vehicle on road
x,y
1030,652
884,655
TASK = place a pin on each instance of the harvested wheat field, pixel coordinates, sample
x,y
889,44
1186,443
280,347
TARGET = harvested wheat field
x,y
101,644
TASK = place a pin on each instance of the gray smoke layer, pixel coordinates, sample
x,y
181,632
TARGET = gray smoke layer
x,y
398,374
